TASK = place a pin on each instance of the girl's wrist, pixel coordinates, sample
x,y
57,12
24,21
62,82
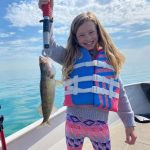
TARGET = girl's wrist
x,y
51,19
131,127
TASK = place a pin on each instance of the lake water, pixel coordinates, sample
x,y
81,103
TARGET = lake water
x,y
19,88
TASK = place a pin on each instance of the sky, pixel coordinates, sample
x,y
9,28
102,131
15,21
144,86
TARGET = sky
x,y
127,21
21,42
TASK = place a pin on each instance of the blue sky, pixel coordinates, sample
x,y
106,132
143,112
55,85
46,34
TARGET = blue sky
x,y
127,21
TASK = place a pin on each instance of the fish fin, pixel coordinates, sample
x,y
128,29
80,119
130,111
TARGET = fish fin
x,y
47,123
59,83
40,110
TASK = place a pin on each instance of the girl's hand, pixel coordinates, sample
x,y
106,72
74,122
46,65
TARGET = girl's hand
x,y
130,135
43,2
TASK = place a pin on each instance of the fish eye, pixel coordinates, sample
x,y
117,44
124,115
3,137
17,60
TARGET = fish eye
x,y
52,77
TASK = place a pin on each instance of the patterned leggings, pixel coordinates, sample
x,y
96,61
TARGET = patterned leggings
x,y
77,129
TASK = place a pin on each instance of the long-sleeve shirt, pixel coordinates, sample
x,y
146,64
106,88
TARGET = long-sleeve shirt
x,y
125,112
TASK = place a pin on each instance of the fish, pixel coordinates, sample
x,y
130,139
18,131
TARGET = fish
x,y
47,87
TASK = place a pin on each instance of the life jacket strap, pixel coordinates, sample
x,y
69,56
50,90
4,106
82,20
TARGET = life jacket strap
x,y
93,89
94,77
96,63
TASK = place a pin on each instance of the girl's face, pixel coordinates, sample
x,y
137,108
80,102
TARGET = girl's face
x,y
87,36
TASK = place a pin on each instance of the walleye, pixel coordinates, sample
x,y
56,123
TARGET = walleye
x,y
47,87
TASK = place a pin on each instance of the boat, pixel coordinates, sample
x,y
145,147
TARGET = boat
x,y
52,137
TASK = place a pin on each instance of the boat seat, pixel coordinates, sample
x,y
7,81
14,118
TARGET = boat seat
x,y
142,118
146,89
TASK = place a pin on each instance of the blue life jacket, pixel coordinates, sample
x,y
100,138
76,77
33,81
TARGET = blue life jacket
x,y
92,82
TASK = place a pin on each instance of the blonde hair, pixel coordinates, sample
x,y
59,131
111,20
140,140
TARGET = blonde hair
x,y
114,56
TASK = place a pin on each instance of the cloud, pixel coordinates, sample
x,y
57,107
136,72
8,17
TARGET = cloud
x,y
24,13
124,12
20,47
23,42
128,12
61,30
113,29
5,35
141,33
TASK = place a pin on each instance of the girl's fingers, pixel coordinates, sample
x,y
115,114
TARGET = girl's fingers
x,y
42,2
127,139
130,139
52,3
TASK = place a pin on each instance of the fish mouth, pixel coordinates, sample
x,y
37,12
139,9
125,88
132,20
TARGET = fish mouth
x,y
43,60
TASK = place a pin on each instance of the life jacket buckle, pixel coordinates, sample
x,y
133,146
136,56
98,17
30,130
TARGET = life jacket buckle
x,y
95,62
75,91
94,89
86,64
95,77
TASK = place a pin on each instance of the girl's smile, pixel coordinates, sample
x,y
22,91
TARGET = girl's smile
x,y
87,35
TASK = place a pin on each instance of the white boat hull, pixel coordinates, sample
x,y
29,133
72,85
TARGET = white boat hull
x,y
37,137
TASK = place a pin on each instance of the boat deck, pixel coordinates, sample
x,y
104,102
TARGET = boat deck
x,y
52,137
117,134
143,137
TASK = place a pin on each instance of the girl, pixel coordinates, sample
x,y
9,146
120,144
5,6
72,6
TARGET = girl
x,y
91,67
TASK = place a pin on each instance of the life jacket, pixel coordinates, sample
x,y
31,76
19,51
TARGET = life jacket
x,y
92,82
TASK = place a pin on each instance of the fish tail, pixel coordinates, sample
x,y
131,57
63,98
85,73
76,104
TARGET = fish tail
x,y
45,122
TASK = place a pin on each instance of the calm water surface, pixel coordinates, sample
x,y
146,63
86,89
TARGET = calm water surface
x,y
19,89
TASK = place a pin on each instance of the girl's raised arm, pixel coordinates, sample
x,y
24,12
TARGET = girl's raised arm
x,y
55,51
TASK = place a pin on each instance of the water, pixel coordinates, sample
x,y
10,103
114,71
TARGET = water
x,y
20,96
19,88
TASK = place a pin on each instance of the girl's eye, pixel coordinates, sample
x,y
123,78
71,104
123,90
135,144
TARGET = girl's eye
x,y
81,35
91,32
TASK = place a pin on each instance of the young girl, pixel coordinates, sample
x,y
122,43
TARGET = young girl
x,y
91,67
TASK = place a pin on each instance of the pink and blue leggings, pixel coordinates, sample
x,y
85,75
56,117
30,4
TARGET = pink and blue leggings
x,y
77,129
